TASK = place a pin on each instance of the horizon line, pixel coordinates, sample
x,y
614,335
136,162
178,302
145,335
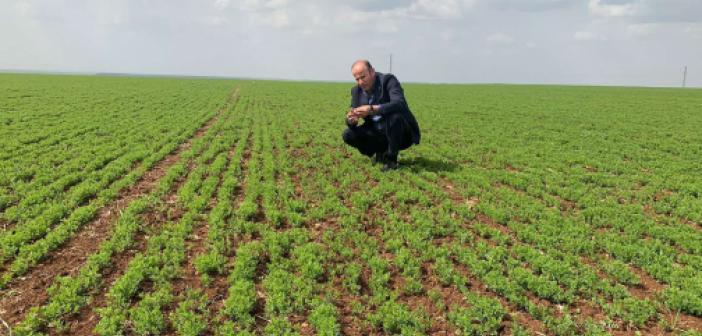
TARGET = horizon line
x,y
167,75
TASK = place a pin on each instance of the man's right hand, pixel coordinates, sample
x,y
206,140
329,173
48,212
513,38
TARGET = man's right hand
x,y
352,117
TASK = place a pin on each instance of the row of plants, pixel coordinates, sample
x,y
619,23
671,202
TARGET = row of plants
x,y
70,293
128,304
106,119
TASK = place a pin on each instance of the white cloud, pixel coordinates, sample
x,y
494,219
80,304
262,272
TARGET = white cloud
x,y
588,36
611,10
442,9
258,5
215,20
641,29
447,35
499,39
274,19
221,4
694,30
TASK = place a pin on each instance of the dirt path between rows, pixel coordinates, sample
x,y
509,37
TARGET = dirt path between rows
x,y
216,289
31,289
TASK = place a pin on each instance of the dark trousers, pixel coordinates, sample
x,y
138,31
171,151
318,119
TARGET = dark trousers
x,y
388,136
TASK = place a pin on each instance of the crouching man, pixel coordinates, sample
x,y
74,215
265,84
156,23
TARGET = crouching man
x,y
388,124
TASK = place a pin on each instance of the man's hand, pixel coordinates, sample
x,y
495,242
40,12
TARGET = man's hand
x,y
362,111
351,117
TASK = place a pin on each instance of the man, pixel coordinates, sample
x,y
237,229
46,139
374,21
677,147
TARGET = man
x,y
388,124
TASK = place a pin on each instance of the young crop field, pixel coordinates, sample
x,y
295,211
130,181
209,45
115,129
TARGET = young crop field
x,y
170,206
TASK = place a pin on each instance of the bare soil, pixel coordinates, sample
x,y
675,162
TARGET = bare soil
x,y
31,290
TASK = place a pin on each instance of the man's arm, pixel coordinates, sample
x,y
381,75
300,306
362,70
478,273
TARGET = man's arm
x,y
351,116
397,98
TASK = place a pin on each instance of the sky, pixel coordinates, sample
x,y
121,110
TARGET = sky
x,y
597,42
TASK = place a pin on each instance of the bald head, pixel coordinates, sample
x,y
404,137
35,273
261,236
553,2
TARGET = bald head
x,y
361,63
364,74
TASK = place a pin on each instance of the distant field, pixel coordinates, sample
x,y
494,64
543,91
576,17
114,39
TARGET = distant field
x,y
147,206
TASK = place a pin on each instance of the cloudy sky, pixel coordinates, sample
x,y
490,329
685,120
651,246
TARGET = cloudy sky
x,y
609,42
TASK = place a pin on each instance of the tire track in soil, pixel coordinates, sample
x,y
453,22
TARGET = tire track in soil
x,y
258,312
86,319
216,290
315,230
31,289
349,325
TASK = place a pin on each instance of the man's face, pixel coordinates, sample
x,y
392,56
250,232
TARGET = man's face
x,y
364,77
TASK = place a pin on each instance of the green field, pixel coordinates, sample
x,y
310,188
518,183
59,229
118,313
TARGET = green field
x,y
176,206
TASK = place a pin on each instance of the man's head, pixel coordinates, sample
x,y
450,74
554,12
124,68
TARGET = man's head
x,y
364,74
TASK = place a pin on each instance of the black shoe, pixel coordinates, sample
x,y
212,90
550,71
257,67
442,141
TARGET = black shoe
x,y
390,165
378,158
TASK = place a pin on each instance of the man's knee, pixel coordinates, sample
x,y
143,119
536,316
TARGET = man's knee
x,y
349,136
395,117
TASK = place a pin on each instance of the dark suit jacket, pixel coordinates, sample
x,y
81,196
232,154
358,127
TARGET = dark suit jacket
x,y
388,92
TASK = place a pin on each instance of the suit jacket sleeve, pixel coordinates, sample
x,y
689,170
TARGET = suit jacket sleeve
x,y
354,97
354,104
397,101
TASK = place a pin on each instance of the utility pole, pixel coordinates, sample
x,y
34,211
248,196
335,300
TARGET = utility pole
x,y
390,69
684,76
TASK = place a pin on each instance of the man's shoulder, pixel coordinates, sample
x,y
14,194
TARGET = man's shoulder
x,y
387,77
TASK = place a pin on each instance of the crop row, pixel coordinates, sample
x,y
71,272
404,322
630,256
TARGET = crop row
x,y
70,293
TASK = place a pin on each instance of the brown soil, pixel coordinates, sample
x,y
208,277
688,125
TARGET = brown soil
x,y
648,289
31,290
511,169
525,320
5,225
190,279
86,319
217,290
532,324
662,194
692,224
351,323
650,212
